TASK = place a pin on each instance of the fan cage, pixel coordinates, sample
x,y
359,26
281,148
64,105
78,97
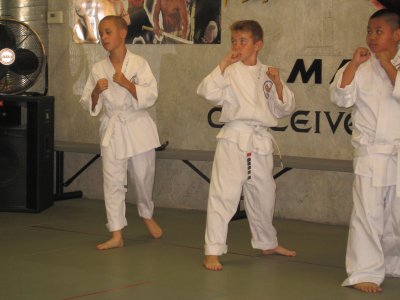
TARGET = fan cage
x,y
26,38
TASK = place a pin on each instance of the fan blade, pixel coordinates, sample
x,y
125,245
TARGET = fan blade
x,y
3,71
26,62
7,39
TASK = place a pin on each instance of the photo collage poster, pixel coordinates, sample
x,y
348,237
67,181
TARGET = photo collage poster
x,y
151,21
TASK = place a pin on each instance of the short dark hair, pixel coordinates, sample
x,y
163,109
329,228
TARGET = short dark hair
x,y
249,25
390,16
117,20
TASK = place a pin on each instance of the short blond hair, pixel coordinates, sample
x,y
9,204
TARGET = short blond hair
x,y
251,26
117,20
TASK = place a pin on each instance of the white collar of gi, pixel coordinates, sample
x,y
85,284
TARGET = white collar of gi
x,y
377,65
124,63
258,63
396,60
258,67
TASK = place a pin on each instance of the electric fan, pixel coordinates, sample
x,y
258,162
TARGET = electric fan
x,y
21,56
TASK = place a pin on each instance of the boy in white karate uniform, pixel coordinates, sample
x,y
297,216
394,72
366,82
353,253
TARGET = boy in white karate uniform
x,y
252,97
124,86
371,84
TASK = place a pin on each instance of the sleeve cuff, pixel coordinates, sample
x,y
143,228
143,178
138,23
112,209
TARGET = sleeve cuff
x,y
347,90
218,77
396,89
145,97
96,109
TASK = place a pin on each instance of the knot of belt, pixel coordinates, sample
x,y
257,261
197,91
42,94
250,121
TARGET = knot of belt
x,y
118,116
258,131
390,150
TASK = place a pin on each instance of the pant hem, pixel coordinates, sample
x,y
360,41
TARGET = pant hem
x,y
215,250
264,246
116,227
352,281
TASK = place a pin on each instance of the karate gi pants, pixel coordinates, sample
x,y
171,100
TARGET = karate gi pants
x,y
232,172
373,248
141,169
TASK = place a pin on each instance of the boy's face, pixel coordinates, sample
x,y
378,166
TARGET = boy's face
x,y
381,37
111,36
243,44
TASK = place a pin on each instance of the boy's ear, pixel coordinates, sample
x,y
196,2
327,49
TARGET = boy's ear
x,y
259,45
397,34
123,33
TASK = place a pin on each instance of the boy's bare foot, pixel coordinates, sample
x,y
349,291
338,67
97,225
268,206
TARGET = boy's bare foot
x,y
114,242
153,228
280,251
211,262
367,287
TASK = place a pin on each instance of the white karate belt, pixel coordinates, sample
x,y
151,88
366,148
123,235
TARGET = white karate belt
x,y
391,150
119,116
257,130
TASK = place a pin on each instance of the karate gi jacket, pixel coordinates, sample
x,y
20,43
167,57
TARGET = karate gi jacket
x,y
375,117
126,126
250,104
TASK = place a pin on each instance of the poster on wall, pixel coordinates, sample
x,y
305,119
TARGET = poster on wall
x,y
151,21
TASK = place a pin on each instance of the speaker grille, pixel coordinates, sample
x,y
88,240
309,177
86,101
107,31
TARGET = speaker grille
x,y
9,165
26,153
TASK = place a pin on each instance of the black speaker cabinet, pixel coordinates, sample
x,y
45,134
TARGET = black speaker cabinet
x,y
26,153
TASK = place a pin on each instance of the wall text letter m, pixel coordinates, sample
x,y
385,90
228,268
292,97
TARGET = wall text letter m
x,y
299,67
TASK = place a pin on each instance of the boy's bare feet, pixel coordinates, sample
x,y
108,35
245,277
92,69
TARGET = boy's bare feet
x,y
116,241
153,228
280,251
367,287
211,262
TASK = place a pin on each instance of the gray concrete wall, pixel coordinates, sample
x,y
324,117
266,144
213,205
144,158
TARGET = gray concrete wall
x,y
294,29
